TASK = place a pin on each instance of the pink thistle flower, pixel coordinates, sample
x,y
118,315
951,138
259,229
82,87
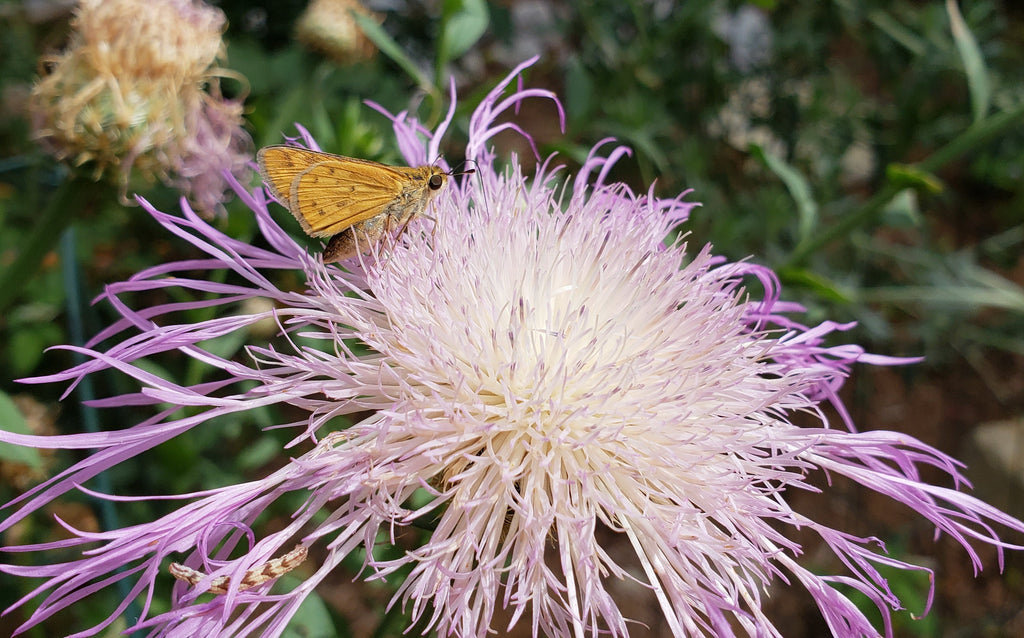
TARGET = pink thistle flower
x,y
546,371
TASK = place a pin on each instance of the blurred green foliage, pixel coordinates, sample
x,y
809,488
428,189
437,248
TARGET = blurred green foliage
x,y
869,151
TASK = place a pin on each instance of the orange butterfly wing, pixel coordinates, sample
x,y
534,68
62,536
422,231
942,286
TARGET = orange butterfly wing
x,y
328,193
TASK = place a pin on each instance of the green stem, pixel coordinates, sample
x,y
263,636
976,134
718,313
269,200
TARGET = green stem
x,y
64,205
971,139
76,308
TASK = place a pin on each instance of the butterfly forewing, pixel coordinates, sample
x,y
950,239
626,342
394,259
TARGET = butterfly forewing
x,y
328,197
280,165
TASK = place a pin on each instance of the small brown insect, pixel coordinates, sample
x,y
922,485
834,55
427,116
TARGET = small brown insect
x,y
269,570
354,202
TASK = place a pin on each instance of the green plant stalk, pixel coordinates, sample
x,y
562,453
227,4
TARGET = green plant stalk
x,y
971,139
62,208
90,419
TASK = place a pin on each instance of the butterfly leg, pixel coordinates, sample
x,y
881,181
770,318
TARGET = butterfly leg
x,y
401,218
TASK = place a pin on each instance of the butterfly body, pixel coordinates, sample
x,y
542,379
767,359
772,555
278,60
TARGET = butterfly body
x,y
354,202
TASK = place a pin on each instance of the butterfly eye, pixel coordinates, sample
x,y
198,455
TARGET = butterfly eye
x,y
436,182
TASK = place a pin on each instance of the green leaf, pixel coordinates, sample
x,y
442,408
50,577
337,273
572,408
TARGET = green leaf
x,y
312,620
390,48
903,211
974,64
261,451
72,194
899,33
947,297
909,176
287,111
818,284
11,420
463,23
798,188
579,90
27,345
226,346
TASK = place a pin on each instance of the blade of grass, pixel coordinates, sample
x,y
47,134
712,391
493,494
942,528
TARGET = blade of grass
x,y
390,48
974,64
972,138
799,189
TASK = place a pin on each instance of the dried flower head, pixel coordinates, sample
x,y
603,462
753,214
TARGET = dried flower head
x,y
328,26
137,89
542,374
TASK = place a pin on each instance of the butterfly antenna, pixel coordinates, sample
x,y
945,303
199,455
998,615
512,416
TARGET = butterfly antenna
x,y
461,170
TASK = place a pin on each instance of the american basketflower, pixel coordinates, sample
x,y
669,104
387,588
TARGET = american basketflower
x,y
542,372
